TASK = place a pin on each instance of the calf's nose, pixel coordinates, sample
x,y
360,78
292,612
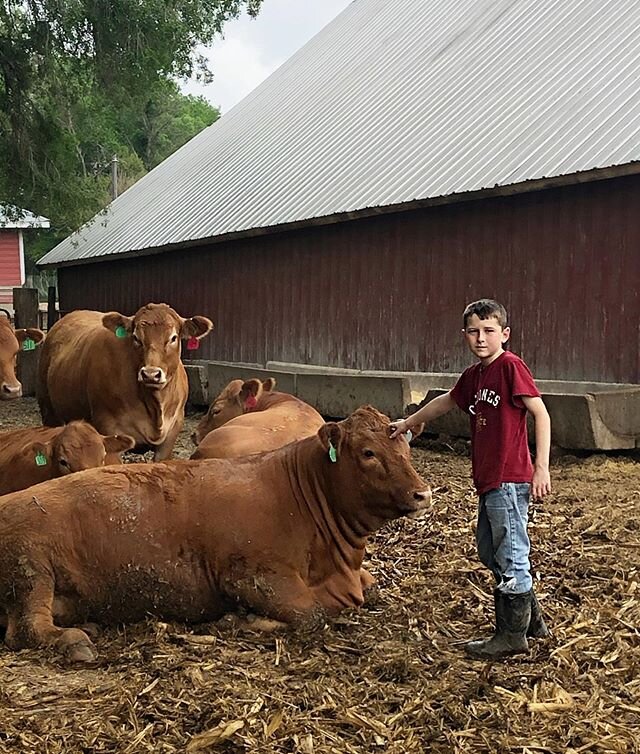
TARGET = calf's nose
x,y
151,374
422,495
11,391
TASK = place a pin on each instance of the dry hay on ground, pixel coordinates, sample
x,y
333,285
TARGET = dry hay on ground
x,y
390,677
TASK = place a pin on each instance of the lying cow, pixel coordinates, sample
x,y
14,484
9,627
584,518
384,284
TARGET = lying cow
x,y
251,417
282,533
37,454
122,374
11,341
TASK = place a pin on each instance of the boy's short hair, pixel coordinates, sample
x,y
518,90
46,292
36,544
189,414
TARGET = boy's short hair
x,y
485,308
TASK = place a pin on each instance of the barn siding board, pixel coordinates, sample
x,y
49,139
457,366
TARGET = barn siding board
x,y
10,268
387,292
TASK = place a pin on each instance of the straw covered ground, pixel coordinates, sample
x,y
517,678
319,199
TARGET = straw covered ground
x,y
390,677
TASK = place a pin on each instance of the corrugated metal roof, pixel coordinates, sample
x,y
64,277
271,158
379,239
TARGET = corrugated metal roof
x,y
15,217
396,101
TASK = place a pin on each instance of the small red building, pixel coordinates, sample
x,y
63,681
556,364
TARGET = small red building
x,y
12,271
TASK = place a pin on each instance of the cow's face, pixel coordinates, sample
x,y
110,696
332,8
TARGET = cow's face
x,y
154,333
79,446
236,399
11,342
371,473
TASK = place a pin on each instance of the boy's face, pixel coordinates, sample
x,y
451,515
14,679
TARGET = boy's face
x,y
485,338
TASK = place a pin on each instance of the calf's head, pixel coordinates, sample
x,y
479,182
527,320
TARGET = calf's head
x,y
11,341
236,399
155,332
79,446
370,474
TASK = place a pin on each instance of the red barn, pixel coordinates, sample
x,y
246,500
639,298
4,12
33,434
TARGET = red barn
x,y
12,273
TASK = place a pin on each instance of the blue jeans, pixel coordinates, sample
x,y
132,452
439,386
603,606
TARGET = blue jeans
x,y
501,536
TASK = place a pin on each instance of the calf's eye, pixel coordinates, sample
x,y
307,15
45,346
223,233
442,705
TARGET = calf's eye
x,y
64,463
369,453
174,338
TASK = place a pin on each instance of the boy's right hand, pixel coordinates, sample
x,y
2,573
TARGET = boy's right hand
x,y
398,427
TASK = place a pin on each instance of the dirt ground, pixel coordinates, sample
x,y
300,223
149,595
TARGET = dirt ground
x,y
390,677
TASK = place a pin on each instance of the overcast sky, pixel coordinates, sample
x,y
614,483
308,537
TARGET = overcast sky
x,y
252,48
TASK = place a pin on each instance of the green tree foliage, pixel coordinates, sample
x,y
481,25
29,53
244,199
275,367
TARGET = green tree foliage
x,y
82,80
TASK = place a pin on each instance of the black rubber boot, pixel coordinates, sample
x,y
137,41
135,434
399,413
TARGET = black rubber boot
x,y
513,615
537,627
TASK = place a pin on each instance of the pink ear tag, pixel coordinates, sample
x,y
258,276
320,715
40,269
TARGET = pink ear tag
x,y
193,344
251,402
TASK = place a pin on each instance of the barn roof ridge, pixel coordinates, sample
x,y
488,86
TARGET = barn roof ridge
x,y
393,105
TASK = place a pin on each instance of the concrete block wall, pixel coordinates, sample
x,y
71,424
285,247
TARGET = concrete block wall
x,y
587,416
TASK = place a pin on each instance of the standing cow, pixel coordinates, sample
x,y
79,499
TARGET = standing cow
x,y
282,533
251,417
11,341
37,454
122,374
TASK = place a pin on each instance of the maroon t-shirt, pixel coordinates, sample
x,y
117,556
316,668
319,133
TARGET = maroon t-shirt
x,y
491,397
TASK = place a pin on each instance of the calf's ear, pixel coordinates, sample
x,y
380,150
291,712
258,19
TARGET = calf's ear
x,y
37,336
117,443
113,320
269,384
40,453
250,391
331,435
196,327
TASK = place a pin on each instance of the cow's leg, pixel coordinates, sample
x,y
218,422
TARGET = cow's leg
x,y
164,451
282,597
30,624
366,579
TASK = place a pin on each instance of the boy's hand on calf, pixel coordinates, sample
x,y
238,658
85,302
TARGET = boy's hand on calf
x,y
398,427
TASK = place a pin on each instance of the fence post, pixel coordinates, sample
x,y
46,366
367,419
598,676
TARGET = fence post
x,y
25,304
52,314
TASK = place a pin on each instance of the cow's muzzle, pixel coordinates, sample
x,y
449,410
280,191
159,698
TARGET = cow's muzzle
x,y
420,501
8,392
153,377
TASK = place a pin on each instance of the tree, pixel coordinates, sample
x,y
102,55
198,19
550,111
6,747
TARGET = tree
x,y
81,80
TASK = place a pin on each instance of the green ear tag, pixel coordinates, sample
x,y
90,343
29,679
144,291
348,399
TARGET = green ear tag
x,y
332,453
28,344
121,332
41,459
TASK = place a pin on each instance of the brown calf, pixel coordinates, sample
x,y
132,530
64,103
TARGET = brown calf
x,y
37,454
11,341
282,533
251,417
122,374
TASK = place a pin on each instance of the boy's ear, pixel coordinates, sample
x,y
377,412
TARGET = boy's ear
x,y
331,435
250,392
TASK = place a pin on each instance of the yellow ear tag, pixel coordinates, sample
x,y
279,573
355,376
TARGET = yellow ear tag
x,y
41,459
29,344
121,332
333,457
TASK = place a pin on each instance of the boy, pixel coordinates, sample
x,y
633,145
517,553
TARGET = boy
x,y
497,393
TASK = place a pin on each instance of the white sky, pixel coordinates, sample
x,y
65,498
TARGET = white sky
x,y
252,48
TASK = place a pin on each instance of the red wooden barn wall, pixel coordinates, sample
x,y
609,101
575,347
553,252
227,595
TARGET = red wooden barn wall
x,y
387,292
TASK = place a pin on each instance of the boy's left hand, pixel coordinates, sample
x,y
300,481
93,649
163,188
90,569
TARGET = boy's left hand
x,y
540,484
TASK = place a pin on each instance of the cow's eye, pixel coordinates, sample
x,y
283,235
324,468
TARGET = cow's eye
x,y
369,453
64,463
